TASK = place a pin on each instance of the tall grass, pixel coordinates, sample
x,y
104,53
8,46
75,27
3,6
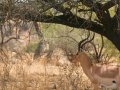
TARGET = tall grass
x,y
27,74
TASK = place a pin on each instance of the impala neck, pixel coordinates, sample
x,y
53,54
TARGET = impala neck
x,y
86,64
84,60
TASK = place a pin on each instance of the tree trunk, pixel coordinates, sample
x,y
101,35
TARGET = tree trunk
x,y
114,37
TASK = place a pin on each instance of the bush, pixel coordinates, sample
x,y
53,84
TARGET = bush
x,y
31,47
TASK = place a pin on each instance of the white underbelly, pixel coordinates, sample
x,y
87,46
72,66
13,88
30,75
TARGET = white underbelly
x,y
110,83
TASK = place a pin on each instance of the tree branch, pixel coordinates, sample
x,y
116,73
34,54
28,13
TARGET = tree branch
x,y
105,6
108,5
69,20
65,19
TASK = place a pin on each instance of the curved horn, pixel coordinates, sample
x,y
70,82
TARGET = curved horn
x,y
98,53
80,44
88,40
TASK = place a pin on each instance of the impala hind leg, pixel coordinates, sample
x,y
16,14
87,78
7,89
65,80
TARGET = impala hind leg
x,y
118,88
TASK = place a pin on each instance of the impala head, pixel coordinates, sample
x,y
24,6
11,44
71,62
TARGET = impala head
x,y
98,51
81,48
81,55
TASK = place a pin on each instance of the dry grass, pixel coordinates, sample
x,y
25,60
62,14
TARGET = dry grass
x,y
24,73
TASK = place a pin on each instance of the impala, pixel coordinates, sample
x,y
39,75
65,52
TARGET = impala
x,y
100,75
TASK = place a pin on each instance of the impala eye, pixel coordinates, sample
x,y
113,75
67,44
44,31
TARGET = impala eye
x,y
113,81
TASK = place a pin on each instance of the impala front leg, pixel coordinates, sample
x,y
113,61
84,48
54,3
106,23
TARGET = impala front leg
x,y
118,83
96,87
94,82
118,87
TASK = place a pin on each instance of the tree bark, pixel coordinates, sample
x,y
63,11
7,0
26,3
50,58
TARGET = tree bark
x,y
114,37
